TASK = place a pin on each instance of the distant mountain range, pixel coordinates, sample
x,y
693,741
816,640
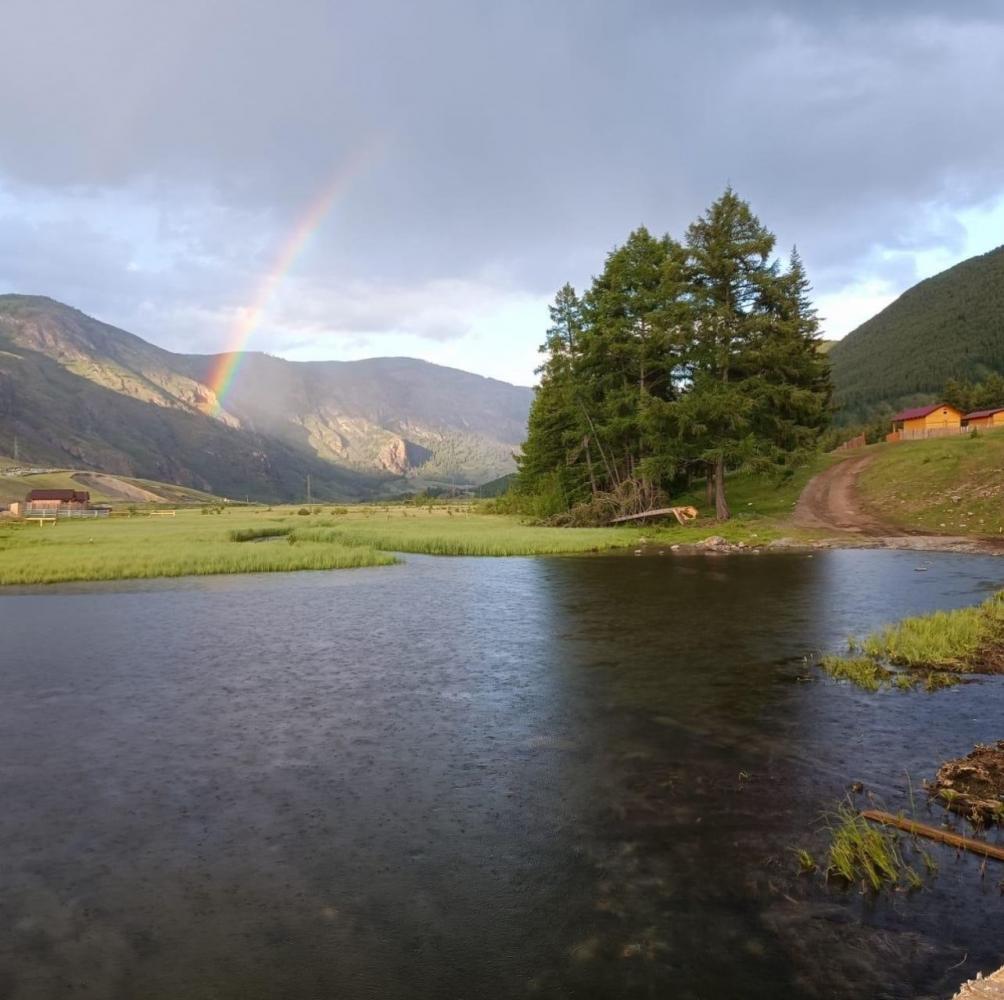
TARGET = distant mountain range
x,y
948,326
77,392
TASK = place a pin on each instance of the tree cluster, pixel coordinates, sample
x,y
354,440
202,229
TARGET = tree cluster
x,y
682,360
968,396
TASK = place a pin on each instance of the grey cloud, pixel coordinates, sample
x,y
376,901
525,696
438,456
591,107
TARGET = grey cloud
x,y
522,139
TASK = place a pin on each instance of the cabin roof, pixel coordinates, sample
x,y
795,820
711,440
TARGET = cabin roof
x,y
920,411
983,413
66,496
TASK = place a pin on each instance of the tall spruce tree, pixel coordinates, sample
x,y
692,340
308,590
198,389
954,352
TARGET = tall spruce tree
x,y
555,422
758,386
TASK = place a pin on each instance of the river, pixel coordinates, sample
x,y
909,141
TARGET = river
x,y
579,777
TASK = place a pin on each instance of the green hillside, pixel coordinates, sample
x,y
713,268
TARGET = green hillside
x,y
948,486
948,326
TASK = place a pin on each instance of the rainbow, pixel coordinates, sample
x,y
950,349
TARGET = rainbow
x,y
225,366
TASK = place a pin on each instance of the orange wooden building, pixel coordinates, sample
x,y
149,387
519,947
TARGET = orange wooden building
x,y
937,420
984,419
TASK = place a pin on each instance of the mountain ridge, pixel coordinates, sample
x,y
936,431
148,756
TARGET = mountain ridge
x,y
362,427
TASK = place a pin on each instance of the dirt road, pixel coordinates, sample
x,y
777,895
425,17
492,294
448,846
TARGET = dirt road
x,y
831,502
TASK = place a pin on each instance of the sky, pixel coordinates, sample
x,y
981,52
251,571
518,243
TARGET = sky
x,y
343,179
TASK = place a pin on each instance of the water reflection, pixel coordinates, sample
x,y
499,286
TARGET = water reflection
x,y
500,778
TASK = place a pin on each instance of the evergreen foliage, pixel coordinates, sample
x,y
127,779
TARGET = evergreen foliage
x,y
970,396
682,359
950,326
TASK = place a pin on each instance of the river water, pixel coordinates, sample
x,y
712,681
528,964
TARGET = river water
x,y
460,778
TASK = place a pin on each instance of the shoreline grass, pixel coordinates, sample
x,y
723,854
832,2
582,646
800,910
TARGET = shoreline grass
x,y
332,538
932,650
146,548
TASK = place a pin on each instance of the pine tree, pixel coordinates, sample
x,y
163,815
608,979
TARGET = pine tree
x,y
759,387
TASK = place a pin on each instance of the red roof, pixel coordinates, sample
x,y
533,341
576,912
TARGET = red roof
x,y
66,496
918,411
983,413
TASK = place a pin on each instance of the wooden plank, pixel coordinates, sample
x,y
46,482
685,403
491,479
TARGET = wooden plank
x,y
680,513
935,833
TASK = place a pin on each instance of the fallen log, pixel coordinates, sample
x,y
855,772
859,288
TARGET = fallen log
x,y
682,514
935,833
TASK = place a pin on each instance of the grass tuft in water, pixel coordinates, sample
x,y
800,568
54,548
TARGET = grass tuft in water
x,y
806,862
863,852
860,670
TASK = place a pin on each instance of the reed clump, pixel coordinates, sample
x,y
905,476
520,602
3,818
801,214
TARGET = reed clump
x,y
965,640
862,852
928,651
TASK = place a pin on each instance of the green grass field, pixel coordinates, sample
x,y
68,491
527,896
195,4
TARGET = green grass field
x,y
190,544
193,543
949,486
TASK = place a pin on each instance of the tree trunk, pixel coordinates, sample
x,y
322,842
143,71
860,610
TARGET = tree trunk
x,y
721,504
709,485
589,466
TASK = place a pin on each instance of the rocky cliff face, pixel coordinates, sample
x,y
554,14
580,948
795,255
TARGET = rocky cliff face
x,y
401,457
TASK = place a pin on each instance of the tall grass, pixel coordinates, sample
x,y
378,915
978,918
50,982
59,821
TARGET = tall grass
x,y
142,548
466,535
253,534
861,851
188,544
933,650
950,640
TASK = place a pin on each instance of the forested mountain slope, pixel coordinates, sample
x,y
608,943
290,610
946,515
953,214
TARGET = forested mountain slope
x,y
948,326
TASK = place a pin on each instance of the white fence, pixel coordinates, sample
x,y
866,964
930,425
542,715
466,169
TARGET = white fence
x,y
65,512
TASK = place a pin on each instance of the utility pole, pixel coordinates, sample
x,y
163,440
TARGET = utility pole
x,y
15,447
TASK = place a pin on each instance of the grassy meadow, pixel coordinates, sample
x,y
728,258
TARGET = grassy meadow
x,y
191,544
252,539
260,540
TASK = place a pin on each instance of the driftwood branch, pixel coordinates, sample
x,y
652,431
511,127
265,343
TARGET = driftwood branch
x,y
935,833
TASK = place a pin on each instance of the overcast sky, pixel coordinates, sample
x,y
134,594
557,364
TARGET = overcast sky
x,y
155,157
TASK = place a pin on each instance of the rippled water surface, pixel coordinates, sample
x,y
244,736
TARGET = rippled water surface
x,y
462,778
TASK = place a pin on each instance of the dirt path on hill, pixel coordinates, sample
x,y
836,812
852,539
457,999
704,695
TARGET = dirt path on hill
x,y
831,502
112,486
